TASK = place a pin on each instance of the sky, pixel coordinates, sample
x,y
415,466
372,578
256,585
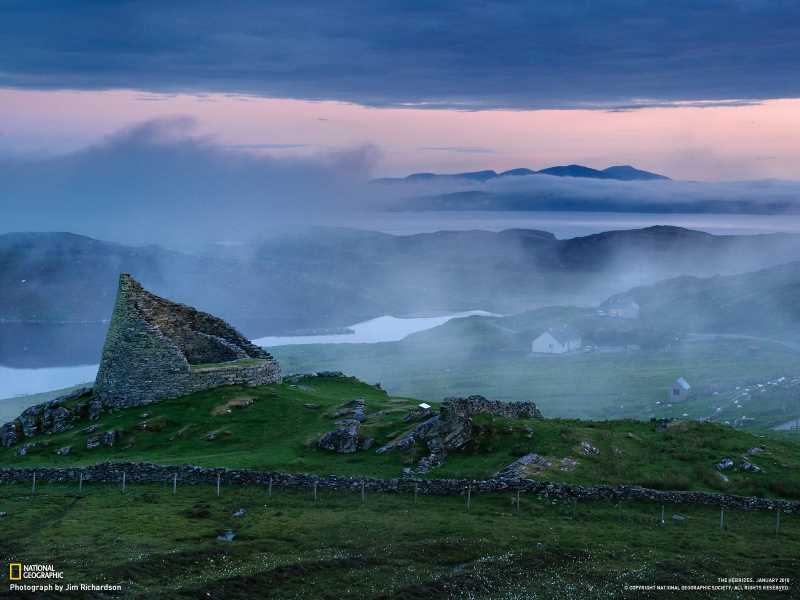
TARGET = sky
x,y
700,90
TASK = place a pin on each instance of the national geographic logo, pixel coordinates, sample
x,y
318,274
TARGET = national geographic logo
x,y
20,571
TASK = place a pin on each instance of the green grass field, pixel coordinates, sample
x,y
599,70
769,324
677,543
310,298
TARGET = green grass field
x,y
156,545
597,385
276,428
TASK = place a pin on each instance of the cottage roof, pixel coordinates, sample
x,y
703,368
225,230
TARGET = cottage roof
x,y
563,334
683,384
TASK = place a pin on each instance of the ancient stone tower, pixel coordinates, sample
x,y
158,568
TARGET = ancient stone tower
x,y
157,349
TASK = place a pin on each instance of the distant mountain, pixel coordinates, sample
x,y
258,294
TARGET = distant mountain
x,y
619,172
334,277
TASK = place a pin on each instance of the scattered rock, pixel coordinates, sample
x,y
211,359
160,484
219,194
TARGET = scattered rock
x,y
211,436
677,518
746,465
343,440
312,406
3,514
521,467
366,443
754,451
144,415
724,464
355,409
723,477
95,410
226,536
90,429
567,464
240,513
93,442
10,433
64,451
23,450
110,438
587,449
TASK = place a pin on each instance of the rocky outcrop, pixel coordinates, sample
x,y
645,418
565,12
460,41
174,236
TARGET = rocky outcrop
x,y
345,438
452,428
48,417
156,349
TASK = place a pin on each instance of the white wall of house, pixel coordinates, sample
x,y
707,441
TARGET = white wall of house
x,y
547,344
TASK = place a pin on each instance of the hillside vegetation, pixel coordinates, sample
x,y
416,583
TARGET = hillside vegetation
x,y
276,427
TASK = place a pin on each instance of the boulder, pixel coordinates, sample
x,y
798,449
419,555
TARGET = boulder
x,y
226,536
517,468
64,451
746,465
10,433
95,409
239,513
110,438
343,440
93,442
587,449
23,449
724,464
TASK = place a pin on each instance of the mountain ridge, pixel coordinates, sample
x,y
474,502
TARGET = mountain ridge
x,y
616,172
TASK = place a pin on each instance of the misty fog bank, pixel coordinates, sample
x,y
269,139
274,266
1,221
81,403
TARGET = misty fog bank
x,y
162,182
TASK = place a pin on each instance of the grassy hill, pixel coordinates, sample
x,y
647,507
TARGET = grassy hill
x,y
276,427
761,303
592,385
289,544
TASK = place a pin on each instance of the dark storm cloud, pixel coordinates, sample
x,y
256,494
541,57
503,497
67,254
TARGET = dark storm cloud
x,y
463,54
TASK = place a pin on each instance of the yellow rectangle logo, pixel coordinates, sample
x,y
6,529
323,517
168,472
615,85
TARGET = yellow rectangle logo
x,y
15,571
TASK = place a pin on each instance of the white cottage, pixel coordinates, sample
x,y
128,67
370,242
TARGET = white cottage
x,y
557,340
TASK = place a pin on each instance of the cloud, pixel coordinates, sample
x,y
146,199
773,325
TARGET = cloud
x,y
545,192
160,180
467,54
458,149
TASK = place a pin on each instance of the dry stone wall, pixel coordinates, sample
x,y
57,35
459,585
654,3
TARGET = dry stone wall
x,y
192,475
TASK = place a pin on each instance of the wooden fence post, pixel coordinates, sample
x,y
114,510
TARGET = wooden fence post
x,y
315,491
33,487
80,482
363,493
218,483
175,484
123,481
469,496
269,490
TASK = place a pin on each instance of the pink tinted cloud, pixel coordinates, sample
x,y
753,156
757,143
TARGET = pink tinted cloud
x,y
688,142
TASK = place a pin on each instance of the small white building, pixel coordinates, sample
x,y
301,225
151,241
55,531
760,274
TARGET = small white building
x,y
620,308
557,340
679,391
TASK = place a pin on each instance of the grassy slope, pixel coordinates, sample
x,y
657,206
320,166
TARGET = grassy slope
x,y
159,545
279,429
591,385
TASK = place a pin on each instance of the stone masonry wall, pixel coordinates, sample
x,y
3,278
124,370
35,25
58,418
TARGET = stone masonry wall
x,y
192,475
144,357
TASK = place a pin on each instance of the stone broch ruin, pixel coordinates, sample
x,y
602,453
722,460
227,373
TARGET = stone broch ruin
x,y
156,349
